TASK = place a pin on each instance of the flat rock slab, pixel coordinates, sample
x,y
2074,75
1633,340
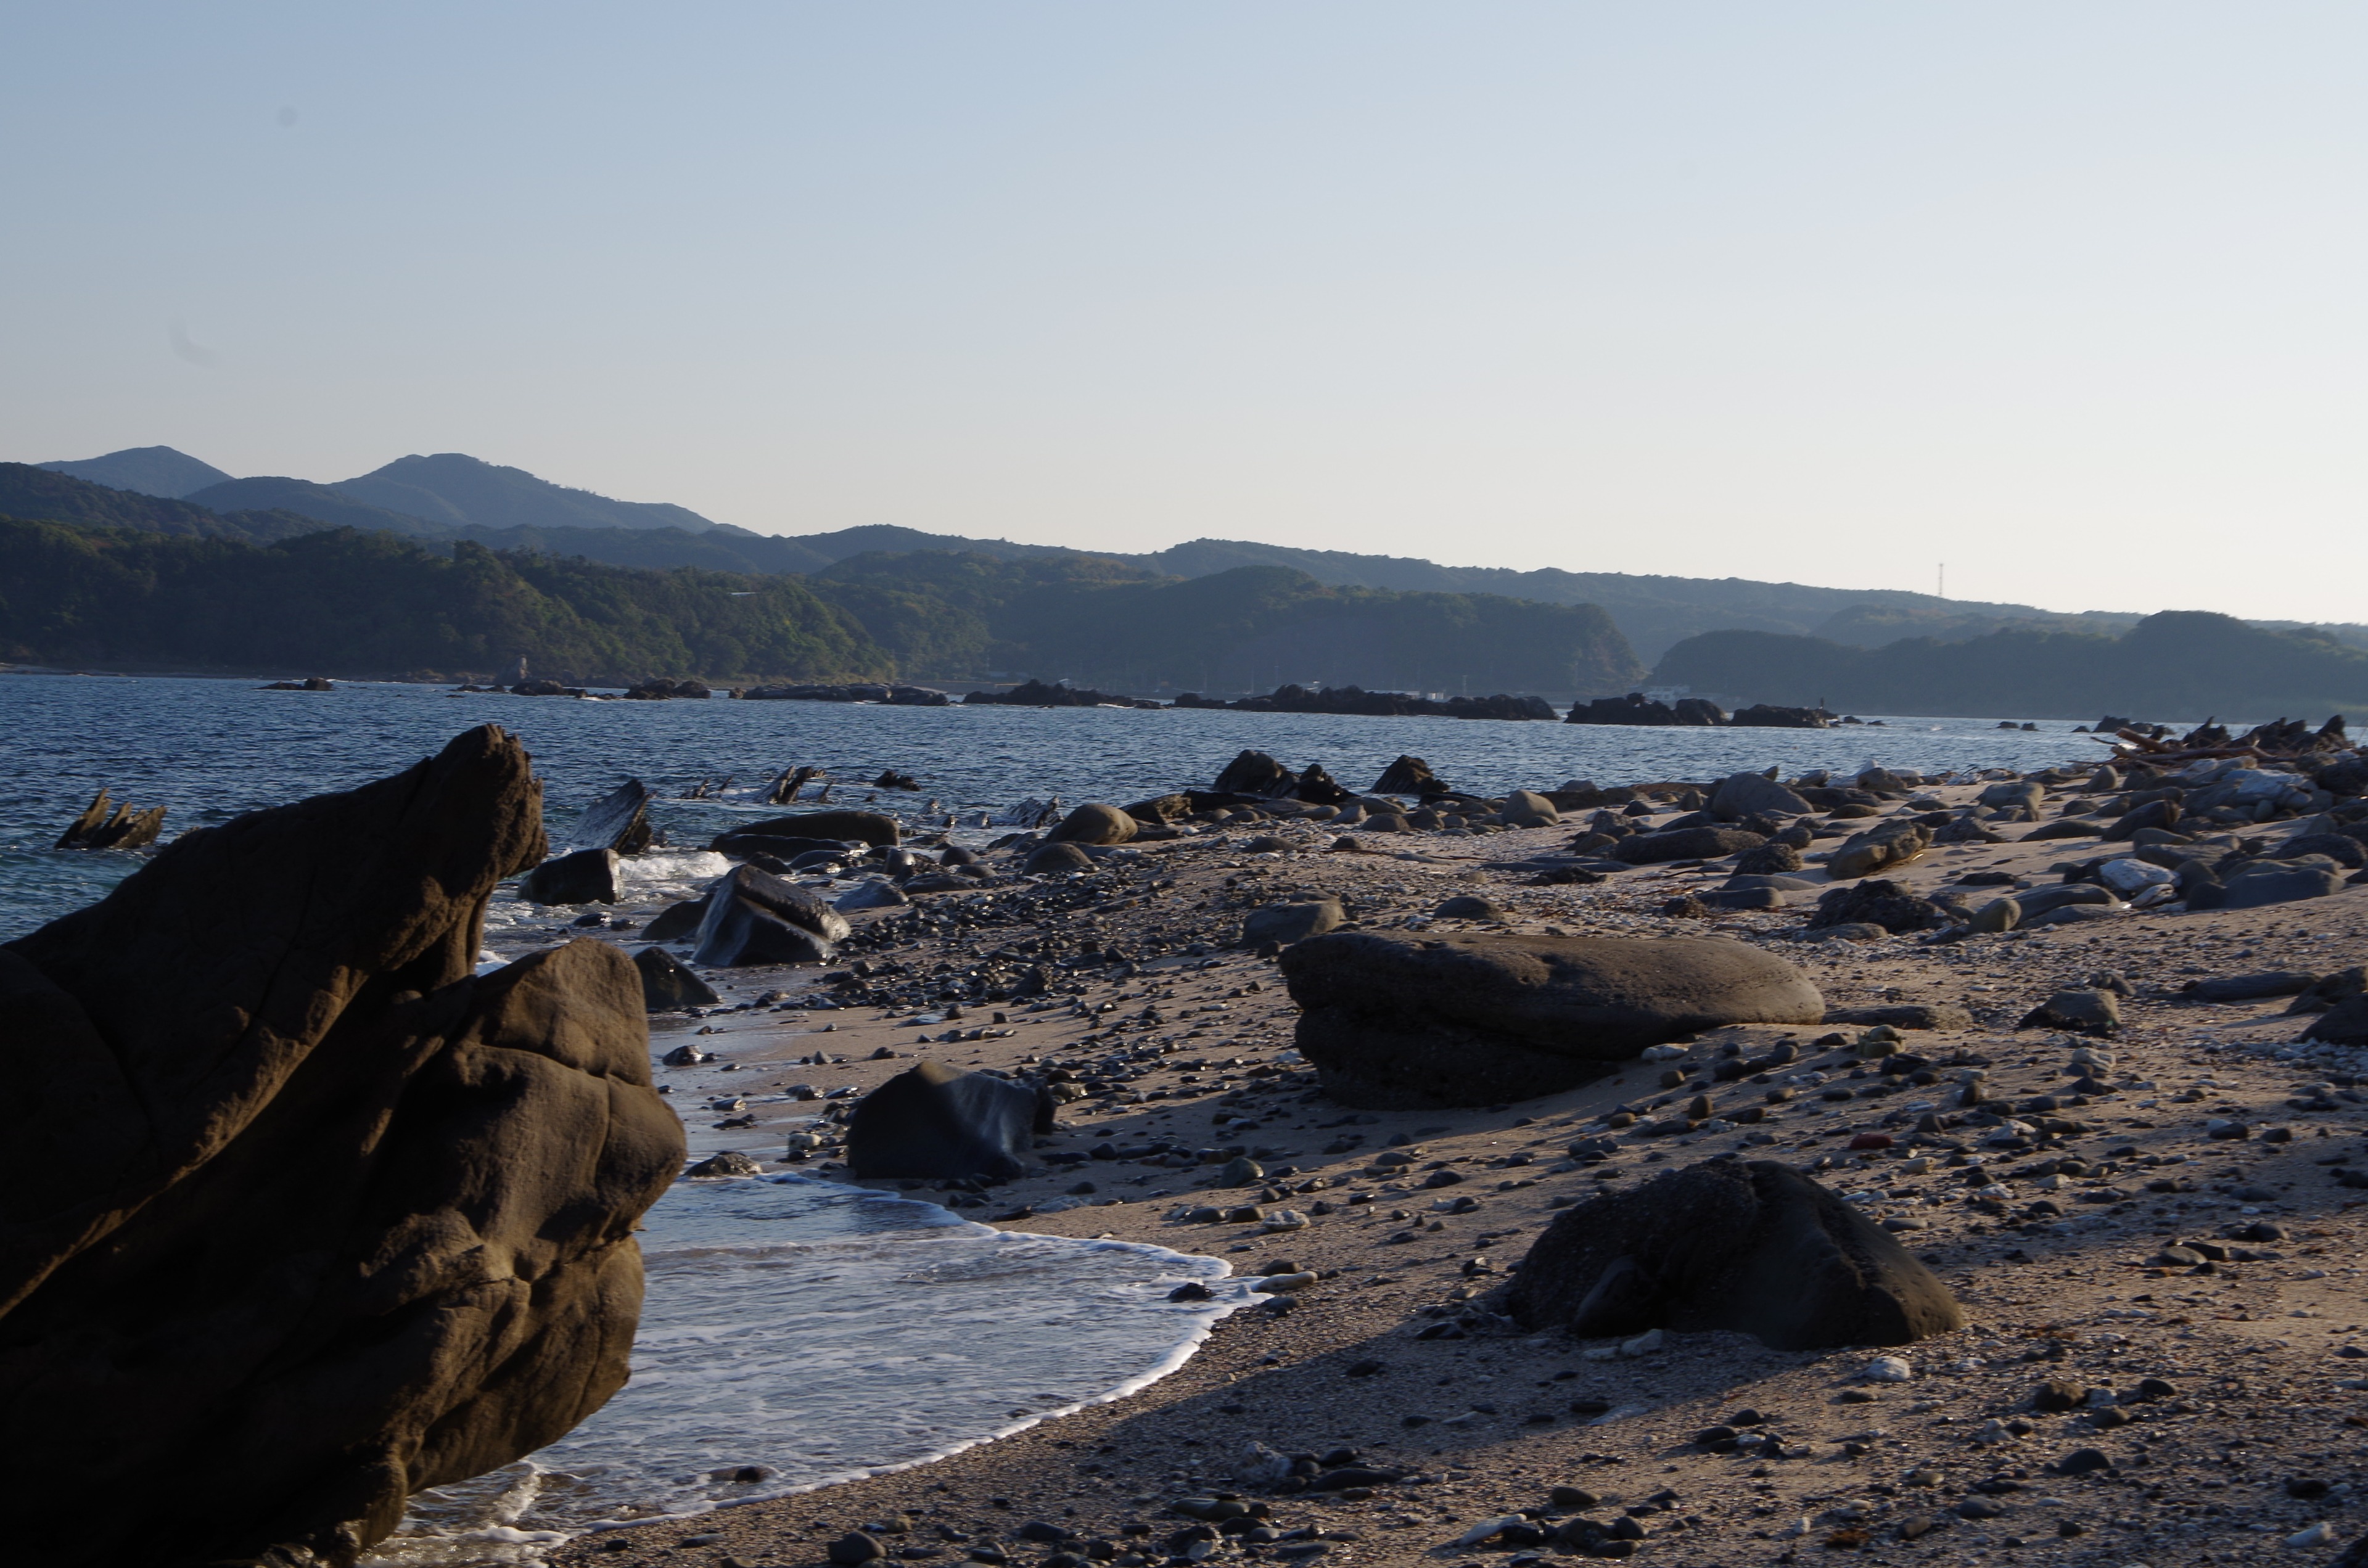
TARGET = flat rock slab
x,y
1753,1249
1400,1021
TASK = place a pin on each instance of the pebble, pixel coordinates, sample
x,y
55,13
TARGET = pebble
x,y
1888,1370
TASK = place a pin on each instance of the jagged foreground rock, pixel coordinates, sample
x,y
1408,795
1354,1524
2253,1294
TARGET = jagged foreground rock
x,y
1753,1247
1393,1021
297,1216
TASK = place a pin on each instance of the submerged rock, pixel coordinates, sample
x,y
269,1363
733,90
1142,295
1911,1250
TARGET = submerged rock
x,y
1752,1248
1395,1020
367,1217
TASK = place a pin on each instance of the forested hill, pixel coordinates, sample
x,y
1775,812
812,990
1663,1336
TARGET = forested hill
x,y
1102,623
2180,666
359,604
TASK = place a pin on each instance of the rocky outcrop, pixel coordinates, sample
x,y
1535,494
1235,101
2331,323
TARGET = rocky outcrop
x,y
1768,716
753,917
933,1121
1752,1248
106,827
1407,775
1634,709
363,1217
1393,1020
859,691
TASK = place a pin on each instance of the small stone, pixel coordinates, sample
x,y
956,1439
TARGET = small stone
x,y
1978,1508
1888,1370
1644,1343
2082,1462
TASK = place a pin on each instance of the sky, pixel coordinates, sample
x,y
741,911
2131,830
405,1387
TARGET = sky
x,y
2070,299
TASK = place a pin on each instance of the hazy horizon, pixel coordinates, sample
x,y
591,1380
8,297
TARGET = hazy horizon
x,y
1829,295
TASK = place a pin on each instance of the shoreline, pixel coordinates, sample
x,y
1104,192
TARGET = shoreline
x,y
1486,1420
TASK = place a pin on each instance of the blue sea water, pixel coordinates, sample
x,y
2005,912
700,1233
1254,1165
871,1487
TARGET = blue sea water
x,y
211,749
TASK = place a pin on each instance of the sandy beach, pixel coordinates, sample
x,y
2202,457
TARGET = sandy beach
x,y
2229,1424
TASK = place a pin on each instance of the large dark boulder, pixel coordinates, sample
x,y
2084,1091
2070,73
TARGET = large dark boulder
x,y
1685,844
844,827
1752,1248
588,876
668,983
1395,1020
1255,772
936,1121
753,917
303,1215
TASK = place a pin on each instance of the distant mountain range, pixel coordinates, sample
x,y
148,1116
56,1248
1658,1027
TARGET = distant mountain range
x,y
453,496
450,497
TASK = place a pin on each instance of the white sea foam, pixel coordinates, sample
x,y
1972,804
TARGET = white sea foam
x,y
823,1332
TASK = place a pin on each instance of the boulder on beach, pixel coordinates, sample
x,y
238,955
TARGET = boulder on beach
x,y
1895,843
753,917
667,983
873,892
1526,808
1469,907
1754,794
588,876
1753,1249
1294,920
1395,1020
839,827
1055,860
364,1218
2261,883
1093,823
1684,843
932,1121
1878,902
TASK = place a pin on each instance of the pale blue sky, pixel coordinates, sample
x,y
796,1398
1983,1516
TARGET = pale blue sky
x,y
2068,296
